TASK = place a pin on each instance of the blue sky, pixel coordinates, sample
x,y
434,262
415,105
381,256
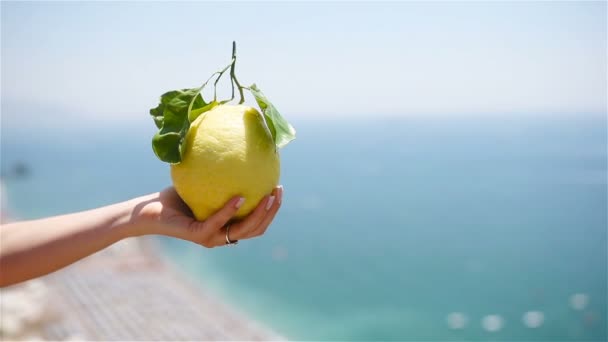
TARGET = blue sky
x,y
111,61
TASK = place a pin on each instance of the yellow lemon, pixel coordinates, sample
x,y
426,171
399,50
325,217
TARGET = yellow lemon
x,y
229,152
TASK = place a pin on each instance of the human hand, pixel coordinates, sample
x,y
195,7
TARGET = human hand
x,y
166,214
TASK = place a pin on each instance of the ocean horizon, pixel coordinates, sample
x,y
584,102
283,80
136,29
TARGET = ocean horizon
x,y
392,228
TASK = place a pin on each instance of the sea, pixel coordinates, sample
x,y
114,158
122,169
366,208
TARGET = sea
x,y
393,228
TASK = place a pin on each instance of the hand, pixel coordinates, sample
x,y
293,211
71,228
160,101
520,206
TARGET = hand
x,y
75,236
167,214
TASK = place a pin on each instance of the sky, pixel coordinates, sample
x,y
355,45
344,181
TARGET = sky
x,y
109,62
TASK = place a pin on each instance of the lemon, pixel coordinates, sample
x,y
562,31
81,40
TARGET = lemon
x,y
228,152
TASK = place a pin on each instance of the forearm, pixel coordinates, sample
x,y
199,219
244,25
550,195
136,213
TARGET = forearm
x,y
34,248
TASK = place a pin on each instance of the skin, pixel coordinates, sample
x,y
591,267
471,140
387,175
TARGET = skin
x,y
31,249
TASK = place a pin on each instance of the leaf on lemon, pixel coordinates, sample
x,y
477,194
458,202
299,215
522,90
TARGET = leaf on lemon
x,y
282,132
172,116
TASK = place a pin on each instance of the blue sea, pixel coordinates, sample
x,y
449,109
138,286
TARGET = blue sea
x,y
441,228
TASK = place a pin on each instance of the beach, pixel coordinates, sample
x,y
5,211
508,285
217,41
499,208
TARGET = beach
x,y
126,292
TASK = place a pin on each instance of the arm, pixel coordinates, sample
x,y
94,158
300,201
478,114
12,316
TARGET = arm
x,y
34,248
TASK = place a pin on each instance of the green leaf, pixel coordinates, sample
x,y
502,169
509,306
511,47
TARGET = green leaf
x,y
172,117
166,146
282,132
157,115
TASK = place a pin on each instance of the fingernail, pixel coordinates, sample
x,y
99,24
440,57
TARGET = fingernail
x,y
240,202
269,203
280,194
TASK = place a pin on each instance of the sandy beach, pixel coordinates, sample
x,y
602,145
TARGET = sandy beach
x,y
124,293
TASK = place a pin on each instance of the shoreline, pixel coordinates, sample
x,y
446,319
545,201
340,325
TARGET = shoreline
x,y
153,247
129,291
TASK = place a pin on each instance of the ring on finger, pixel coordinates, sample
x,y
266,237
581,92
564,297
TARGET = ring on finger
x,y
228,241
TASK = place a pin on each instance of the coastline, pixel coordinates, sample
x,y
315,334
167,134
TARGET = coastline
x,y
128,291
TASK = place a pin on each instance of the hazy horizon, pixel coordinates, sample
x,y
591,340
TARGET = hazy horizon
x,y
109,62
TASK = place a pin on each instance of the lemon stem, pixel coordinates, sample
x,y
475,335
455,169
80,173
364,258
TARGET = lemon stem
x,y
233,79
233,76
220,73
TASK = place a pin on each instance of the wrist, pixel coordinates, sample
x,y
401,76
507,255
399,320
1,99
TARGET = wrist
x,y
123,220
138,216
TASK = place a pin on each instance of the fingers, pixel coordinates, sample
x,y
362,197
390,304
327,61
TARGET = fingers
x,y
257,222
220,218
207,230
261,228
240,230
